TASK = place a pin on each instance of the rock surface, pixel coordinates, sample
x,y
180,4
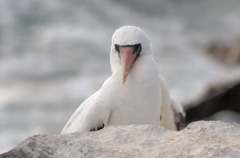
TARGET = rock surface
x,y
203,139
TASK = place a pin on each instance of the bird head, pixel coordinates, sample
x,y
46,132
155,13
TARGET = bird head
x,y
129,44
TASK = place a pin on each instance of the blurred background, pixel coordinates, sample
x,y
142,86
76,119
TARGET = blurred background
x,y
55,53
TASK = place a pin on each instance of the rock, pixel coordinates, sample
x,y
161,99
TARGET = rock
x,y
200,139
218,97
225,51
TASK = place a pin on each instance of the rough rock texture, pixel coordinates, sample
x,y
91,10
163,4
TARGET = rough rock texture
x,y
198,140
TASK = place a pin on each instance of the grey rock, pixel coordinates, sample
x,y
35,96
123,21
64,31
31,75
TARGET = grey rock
x,y
203,139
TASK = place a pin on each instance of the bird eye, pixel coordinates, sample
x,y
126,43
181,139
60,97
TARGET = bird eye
x,y
117,48
137,48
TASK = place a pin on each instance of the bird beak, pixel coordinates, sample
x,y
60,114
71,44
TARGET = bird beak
x,y
128,58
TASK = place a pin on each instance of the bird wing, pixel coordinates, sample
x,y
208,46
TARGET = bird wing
x,y
91,115
172,114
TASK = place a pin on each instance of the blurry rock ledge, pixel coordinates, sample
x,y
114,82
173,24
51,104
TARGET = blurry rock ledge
x,y
200,139
226,51
220,99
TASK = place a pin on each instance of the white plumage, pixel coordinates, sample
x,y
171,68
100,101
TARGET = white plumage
x,y
133,94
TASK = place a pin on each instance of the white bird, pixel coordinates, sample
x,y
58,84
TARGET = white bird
x,y
133,94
